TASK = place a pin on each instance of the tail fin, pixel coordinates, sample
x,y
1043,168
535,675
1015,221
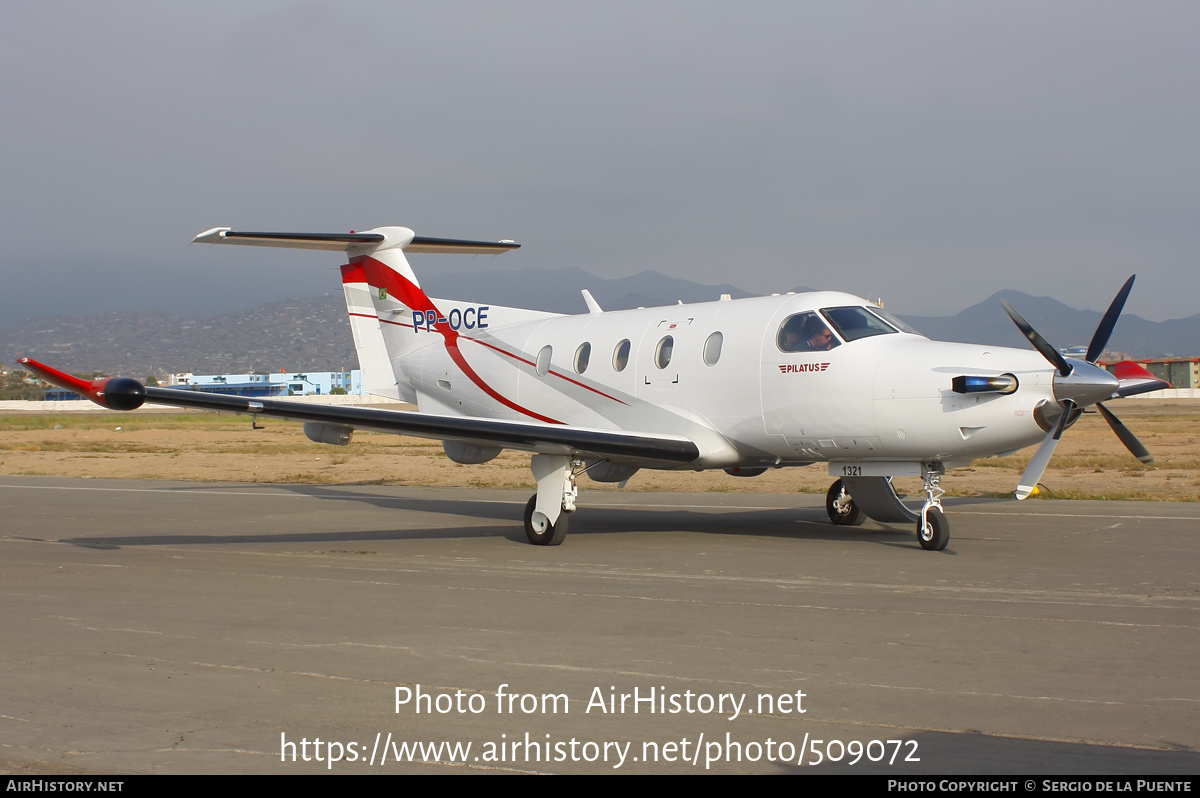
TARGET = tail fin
x,y
379,378
394,294
380,287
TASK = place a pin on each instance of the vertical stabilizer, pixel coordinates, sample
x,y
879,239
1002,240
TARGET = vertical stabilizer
x,y
395,294
377,375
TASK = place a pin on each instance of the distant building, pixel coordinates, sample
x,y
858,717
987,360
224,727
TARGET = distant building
x,y
1181,372
298,383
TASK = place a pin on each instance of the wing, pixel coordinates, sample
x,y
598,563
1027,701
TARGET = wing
x,y
125,393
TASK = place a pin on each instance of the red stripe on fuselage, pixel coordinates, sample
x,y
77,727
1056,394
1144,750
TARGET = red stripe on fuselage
x,y
503,352
560,375
380,274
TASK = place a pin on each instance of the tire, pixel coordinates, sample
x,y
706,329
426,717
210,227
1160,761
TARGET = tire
x,y
553,534
850,515
937,533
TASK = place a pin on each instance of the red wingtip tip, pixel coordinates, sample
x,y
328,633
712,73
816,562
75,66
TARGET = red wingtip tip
x,y
116,393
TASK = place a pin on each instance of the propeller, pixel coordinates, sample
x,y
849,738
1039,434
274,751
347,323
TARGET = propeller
x,y
1135,447
1039,343
1105,328
1079,383
1041,458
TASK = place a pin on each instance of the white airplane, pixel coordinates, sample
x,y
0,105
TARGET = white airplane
x,y
741,385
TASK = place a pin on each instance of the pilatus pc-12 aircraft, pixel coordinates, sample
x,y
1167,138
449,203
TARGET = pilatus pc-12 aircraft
x,y
741,385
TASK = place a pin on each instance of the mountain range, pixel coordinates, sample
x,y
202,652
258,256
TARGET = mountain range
x,y
313,333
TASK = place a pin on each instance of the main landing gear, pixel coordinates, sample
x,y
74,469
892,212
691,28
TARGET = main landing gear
x,y
841,508
548,511
538,528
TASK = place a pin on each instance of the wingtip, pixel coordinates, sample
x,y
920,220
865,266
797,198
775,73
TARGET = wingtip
x,y
212,236
115,393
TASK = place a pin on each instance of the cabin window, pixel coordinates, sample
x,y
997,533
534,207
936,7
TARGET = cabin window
x,y
543,361
662,353
805,332
856,322
712,348
621,356
582,355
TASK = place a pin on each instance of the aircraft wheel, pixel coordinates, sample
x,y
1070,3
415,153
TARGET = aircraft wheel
x,y
552,535
936,533
846,515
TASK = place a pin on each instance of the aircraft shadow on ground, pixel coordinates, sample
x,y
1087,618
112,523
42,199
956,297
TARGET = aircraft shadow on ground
x,y
794,522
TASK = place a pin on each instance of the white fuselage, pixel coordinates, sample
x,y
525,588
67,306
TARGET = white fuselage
x,y
747,403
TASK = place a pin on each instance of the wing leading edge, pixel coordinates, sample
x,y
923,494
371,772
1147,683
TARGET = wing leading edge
x,y
124,393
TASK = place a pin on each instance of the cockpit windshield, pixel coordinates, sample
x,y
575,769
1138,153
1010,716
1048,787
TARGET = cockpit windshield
x,y
894,321
856,322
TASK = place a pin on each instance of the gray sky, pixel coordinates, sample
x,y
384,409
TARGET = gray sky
x,y
929,153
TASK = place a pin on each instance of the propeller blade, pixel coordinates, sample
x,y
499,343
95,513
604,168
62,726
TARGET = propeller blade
x,y
1104,330
1136,448
1041,458
1037,466
1039,343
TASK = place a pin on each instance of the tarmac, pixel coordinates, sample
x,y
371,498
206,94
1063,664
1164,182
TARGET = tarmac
x,y
162,627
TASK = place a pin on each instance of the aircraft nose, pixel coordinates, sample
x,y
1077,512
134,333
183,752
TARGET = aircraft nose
x,y
1085,385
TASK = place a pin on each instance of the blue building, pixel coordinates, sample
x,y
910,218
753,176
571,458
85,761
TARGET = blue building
x,y
297,383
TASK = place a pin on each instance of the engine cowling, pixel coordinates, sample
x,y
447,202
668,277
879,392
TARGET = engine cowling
x,y
333,434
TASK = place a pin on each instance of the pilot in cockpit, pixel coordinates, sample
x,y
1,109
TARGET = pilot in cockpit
x,y
806,332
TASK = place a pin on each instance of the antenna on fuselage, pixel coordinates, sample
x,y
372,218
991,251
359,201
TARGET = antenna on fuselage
x,y
592,305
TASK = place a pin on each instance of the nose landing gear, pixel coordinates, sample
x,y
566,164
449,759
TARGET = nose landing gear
x,y
933,530
853,499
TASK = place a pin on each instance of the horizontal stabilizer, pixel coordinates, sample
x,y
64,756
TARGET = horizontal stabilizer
x,y
452,246
383,238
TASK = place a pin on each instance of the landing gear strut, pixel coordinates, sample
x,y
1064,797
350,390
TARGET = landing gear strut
x,y
933,529
548,510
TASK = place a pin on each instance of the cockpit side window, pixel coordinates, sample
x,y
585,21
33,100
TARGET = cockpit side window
x,y
856,322
805,332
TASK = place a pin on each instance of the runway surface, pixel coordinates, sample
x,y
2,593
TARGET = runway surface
x,y
156,627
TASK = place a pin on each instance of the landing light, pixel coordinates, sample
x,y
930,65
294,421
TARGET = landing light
x,y
1004,383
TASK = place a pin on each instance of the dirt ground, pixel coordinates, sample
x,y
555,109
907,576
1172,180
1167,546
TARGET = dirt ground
x,y
1089,463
